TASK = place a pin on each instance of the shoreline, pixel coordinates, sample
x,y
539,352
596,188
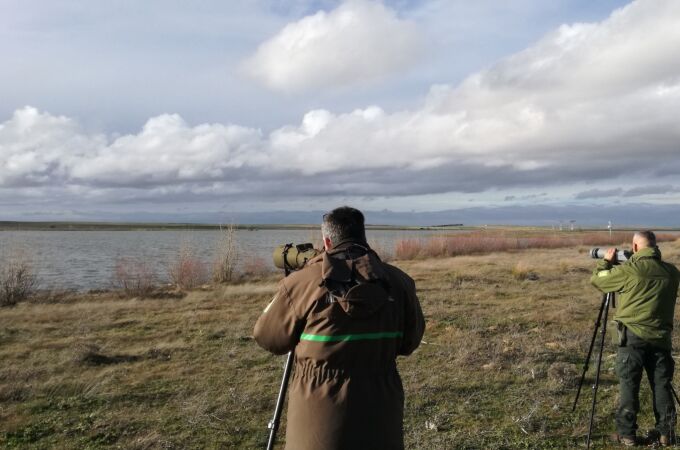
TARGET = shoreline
x,y
111,271
8,225
142,226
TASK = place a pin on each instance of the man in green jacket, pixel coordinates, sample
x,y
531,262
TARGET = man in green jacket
x,y
648,289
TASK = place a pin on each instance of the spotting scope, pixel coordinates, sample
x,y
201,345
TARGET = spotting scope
x,y
293,257
621,255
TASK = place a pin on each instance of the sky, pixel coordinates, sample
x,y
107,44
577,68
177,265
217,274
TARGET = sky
x,y
435,111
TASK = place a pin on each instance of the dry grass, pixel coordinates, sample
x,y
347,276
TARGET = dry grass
x,y
524,271
496,369
408,249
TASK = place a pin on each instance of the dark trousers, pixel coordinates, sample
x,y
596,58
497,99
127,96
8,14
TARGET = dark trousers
x,y
634,356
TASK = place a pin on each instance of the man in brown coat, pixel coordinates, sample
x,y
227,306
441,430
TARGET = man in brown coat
x,y
347,315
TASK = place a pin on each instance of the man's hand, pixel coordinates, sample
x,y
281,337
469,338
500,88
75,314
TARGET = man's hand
x,y
610,256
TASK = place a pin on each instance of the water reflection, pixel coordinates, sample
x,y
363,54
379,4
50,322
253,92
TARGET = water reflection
x,y
86,259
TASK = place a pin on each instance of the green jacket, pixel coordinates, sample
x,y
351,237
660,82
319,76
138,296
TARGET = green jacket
x,y
648,289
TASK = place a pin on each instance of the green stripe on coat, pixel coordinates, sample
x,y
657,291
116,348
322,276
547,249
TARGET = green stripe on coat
x,y
350,337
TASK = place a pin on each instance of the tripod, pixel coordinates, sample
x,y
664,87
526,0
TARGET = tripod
x,y
276,420
273,424
607,301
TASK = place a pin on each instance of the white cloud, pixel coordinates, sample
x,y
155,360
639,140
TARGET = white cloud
x,y
38,148
359,41
167,151
587,102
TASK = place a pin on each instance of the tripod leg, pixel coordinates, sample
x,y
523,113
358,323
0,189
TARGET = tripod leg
x,y
599,366
276,420
590,351
677,400
675,395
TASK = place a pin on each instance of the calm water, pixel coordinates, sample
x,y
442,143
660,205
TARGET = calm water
x,y
85,260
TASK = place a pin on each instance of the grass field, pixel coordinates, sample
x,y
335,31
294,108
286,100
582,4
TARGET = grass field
x,y
498,367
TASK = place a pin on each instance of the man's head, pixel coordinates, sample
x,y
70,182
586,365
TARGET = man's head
x,y
343,224
643,239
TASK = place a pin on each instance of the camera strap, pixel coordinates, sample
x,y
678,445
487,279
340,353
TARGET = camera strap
x,y
622,331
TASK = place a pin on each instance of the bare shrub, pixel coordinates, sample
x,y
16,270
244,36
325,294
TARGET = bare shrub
x,y
17,281
187,271
256,267
136,278
224,267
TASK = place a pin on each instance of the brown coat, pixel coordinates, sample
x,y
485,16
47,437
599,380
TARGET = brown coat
x,y
345,392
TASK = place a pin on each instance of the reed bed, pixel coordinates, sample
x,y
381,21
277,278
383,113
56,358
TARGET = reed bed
x,y
479,243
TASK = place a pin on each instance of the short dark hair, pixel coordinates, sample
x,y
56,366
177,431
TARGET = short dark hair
x,y
648,236
344,223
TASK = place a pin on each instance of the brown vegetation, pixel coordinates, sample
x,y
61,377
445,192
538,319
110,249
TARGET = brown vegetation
x,y
188,271
17,280
256,267
226,258
476,243
134,278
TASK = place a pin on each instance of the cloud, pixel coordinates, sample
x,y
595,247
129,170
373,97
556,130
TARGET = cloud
x,y
632,192
357,42
40,149
599,193
588,102
651,190
525,197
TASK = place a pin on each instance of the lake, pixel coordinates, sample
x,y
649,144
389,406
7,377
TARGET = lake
x,y
84,260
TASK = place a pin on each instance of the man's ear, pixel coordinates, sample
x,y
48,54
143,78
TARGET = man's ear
x,y
327,243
